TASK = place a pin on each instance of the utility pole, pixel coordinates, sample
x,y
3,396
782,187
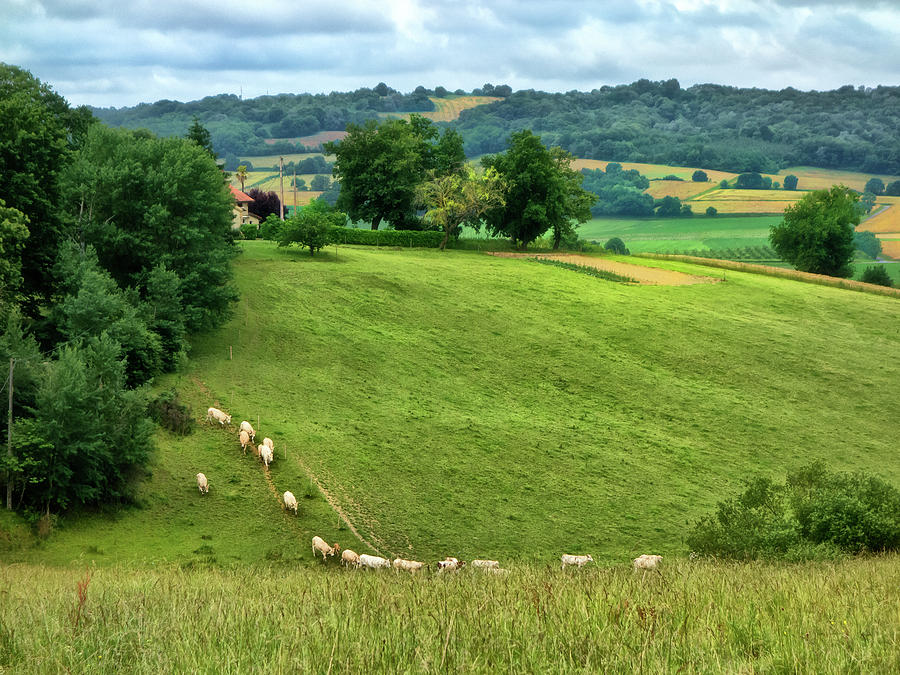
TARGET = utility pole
x,y
281,180
9,452
295,189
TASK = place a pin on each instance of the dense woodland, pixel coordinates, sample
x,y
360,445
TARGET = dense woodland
x,y
708,125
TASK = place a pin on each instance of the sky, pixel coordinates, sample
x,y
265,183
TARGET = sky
x,y
123,52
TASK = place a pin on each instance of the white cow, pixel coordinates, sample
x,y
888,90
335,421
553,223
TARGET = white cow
x,y
218,415
318,544
449,565
290,502
246,426
245,440
577,560
485,564
407,565
202,483
349,557
647,562
269,443
373,561
265,454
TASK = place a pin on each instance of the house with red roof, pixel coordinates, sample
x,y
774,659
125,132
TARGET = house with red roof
x,y
241,212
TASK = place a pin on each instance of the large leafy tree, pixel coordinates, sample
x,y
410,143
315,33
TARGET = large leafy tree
x,y
816,234
380,165
145,202
13,234
199,134
38,133
541,191
459,198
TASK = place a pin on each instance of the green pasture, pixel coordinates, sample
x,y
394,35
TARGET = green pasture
x,y
272,160
893,270
460,404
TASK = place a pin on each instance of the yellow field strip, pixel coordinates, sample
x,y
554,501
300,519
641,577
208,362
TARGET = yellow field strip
x,y
812,178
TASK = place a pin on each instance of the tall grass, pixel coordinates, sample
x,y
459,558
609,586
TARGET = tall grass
x,y
693,617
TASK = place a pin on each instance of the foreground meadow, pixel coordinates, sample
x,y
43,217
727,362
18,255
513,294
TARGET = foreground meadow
x,y
693,617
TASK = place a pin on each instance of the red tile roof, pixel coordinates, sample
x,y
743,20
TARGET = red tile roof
x,y
239,196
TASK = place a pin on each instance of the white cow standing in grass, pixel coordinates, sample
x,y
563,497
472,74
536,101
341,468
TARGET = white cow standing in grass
x,y
647,562
216,414
245,440
374,562
202,483
290,502
246,426
318,544
265,454
576,560
349,557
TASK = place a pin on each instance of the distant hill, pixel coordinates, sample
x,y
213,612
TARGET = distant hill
x,y
713,126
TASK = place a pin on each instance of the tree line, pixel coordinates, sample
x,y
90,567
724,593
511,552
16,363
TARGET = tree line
x,y
116,247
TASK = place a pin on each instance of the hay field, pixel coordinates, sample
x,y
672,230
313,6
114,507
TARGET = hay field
x,y
885,221
683,189
891,247
814,178
311,141
272,160
656,170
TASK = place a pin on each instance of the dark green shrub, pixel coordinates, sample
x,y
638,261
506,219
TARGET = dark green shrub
x,y
616,245
876,274
170,413
270,228
699,176
417,238
249,230
711,210
815,514
672,176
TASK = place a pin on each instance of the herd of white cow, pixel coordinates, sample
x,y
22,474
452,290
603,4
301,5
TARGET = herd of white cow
x,y
266,452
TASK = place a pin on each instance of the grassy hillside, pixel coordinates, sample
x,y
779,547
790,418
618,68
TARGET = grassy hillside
x,y
457,403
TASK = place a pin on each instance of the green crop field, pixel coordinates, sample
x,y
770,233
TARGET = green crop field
x,y
675,235
457,403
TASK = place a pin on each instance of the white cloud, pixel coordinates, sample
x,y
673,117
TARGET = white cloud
x,y
120,53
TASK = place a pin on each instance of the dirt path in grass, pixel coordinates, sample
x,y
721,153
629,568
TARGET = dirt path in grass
x,y
652,276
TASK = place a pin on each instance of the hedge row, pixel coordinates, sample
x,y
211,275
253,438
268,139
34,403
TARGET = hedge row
x,y
411,238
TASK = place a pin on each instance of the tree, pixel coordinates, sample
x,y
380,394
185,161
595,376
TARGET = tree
x,y
876,274
699,176
13,234
200,135
460,198
616,245
868,243
311,226
893,189
790,182
875,186
711,210
143,201
668,207
381,165
38,134
723,184
541,191
816,234
319,183
750,181
241,174
264,203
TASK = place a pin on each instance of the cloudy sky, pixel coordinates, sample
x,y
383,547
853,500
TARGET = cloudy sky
x,y
123,52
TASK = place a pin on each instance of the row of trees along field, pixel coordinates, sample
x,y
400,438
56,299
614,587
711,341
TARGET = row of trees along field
x,y
388,170
713,126
116,246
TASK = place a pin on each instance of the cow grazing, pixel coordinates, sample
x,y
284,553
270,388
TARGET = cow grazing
x,y
265,454
349,557
202,483
246,426
318,544
647,562
269,443
449,565
485,564
245,440
407,565
218,415
373,562
577,560
290,502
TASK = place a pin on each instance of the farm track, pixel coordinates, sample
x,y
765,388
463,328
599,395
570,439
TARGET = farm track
x,y
650,276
